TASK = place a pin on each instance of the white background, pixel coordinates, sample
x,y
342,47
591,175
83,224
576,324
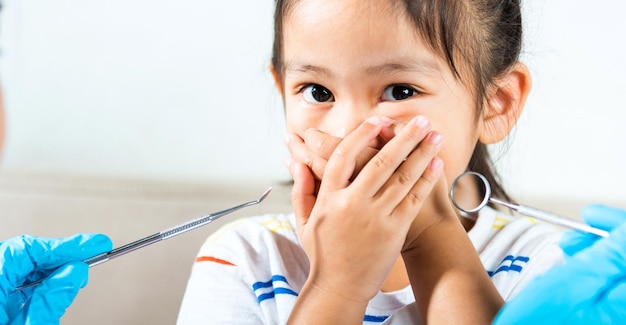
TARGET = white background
x,y
180,90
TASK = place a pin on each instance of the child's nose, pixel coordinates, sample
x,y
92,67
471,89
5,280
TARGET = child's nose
x,y
342,120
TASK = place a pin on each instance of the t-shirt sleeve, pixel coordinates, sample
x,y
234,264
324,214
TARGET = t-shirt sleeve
x,y
217,292
248,272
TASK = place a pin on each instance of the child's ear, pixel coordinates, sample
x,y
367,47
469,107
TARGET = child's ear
x,y
504,104
277,80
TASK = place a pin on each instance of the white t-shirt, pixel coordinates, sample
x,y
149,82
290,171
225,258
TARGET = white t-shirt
x,y
251,270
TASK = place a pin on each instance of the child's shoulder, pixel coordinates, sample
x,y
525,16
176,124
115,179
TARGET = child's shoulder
x,y
505,229
516,249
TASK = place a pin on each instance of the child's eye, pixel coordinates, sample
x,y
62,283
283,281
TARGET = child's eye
x,y
398,92
317,94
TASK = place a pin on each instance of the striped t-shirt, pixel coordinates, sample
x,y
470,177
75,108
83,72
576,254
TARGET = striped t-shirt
x,y
251,270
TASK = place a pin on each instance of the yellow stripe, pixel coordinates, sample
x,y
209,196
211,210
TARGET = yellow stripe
x,y
274,225
500,222
532,220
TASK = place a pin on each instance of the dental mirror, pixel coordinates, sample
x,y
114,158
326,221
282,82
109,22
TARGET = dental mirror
x,y
545,216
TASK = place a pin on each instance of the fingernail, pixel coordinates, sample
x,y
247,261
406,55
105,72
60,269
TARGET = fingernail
x,y
435,137
421,122
288,162
374,120
386,121
287,139
436,163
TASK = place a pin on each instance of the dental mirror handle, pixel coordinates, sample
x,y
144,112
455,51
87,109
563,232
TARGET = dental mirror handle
x,y
552,218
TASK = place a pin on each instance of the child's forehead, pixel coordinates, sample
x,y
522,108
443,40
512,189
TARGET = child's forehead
x,y
373,12
373,41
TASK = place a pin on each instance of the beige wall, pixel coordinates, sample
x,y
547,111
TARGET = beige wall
x,y
143,287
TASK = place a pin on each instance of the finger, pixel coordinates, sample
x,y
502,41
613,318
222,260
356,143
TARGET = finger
x,y
52,297
607,256
573,241
321,143
301,152
602,216
412,169
596,215
596,267
377,174
321,146
616,296
302,192
26,254
342,162
390,132
414,200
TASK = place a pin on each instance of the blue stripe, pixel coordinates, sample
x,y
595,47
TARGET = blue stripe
x,y
510,266
265,296
275,291
275,278
374,319
287,291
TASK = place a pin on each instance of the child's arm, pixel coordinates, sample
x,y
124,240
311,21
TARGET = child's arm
x,y
450,283
353,231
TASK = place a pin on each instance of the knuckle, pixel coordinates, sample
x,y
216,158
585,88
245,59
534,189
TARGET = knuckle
x,y
415,135
416,197
405,177
381,160
318,166
430,178
325,147
421,191
340,152
427,149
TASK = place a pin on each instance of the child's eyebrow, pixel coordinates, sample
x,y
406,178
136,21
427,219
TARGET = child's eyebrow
x,y
291,66
411,66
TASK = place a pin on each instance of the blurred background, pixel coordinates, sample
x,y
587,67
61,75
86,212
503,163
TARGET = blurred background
x,y
128,116
181,90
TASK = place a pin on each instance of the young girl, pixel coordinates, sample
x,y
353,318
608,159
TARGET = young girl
x,y
386,103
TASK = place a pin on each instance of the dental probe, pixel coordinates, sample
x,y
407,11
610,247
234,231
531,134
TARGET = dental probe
x,y
163,235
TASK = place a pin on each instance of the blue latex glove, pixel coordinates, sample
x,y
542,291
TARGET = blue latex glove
x,y
596,215
26,258
589,288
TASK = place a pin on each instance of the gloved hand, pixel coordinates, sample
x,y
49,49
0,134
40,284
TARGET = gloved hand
x,y
596,215
26,259
589,288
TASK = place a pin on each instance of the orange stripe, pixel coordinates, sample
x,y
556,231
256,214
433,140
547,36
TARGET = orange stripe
x,y
212,259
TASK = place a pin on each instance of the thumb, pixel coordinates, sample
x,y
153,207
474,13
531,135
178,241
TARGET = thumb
x,y
596,215
303,192
603,216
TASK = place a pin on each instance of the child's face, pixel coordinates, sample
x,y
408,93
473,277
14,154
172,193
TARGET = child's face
x,y
346,60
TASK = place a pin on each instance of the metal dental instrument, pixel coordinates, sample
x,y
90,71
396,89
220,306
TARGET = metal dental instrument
x,y
165,234
522,209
